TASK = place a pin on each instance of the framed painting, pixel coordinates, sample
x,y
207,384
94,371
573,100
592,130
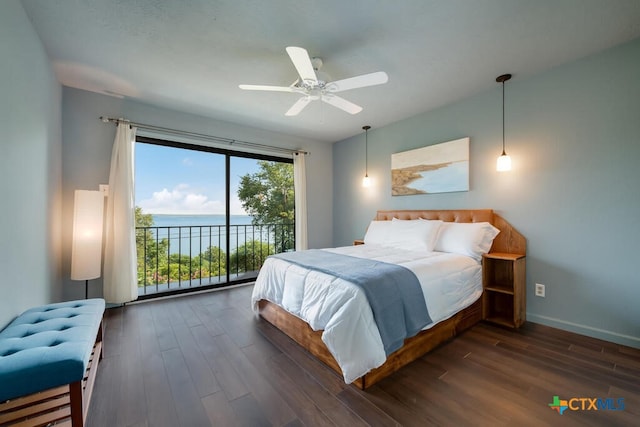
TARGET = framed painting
x,y
439,168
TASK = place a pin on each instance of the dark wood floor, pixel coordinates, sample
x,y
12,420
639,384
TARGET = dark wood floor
x,y
205,359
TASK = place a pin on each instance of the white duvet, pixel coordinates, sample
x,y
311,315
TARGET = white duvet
x,y
450,283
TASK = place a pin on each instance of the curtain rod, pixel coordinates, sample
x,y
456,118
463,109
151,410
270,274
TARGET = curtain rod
x,y
205,137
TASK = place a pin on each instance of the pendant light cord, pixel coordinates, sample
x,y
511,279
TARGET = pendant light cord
x,y
503,152
366,149
501,79
366,152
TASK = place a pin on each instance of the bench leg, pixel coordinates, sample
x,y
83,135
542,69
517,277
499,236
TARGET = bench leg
x,y
76,402
99,338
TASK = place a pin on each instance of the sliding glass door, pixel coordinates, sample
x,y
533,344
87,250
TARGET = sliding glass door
x,y
207,217
262,190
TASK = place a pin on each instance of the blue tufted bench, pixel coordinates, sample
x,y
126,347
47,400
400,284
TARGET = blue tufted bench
x,y
48,361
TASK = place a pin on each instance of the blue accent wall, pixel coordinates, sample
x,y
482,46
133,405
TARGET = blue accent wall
x,y
30,168
573,134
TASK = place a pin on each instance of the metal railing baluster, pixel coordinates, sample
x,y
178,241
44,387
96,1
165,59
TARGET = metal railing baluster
x,y
255,240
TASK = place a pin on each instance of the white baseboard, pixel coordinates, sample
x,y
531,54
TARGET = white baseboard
x,y
590,331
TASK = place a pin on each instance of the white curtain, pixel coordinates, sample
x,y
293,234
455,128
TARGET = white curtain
x,y
300,188
120,270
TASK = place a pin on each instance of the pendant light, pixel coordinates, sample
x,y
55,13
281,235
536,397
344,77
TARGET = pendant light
x,y
504,161
366,181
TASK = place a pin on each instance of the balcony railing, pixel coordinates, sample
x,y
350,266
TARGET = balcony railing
x,y
177,258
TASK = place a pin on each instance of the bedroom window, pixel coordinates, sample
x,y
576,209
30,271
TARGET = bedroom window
x,y
208,217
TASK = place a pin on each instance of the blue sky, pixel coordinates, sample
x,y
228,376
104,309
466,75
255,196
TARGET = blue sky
x,y
178,181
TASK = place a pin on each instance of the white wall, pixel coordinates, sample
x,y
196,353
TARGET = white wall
x,y
30,168
86,155
573,134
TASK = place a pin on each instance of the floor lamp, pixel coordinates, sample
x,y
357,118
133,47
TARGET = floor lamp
x,y
86,250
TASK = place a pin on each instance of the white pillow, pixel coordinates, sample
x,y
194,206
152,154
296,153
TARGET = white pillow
x,y
466,238
416,235
377,233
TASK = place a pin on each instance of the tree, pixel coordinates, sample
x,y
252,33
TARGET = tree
x,y
250,256
178,268
268,196
211,262
150,253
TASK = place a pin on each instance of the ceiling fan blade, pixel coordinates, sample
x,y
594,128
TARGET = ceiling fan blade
x,y
341,103
298,106
302,62
269,88
364,80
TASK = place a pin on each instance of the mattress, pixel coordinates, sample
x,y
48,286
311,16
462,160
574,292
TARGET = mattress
x,y
449,282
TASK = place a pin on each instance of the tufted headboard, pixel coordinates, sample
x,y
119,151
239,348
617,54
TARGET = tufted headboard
x,y
509,240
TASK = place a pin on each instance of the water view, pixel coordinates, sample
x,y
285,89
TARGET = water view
x,y
203,231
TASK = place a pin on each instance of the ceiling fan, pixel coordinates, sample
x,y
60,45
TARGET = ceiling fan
x,y
312,88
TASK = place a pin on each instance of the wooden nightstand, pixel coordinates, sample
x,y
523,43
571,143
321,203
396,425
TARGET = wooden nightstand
x,y
358,242
504,297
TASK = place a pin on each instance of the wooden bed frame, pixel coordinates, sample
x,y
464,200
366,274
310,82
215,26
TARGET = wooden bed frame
x,y
509,241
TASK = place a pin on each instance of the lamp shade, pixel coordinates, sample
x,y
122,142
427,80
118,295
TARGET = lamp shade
x,y
86,250
504,163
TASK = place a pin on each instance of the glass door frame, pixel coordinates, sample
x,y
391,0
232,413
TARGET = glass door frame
x,y
228,155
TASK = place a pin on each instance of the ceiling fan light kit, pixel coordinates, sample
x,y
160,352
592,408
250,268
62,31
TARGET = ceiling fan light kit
x,y
313,89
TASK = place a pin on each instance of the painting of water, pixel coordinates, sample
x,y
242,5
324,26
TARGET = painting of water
x,y
439,168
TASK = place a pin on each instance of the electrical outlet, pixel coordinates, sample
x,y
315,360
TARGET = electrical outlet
x,y
539,290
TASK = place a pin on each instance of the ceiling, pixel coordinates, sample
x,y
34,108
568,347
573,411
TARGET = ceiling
x,y
191,55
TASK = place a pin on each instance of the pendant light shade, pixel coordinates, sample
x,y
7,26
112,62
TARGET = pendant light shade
x,y
504,161
366,181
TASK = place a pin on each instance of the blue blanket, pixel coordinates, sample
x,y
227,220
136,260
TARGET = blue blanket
x,y
393,291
